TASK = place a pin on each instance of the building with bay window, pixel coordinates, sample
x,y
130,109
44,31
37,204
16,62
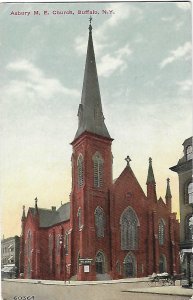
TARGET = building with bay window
x,y
110,228
184,170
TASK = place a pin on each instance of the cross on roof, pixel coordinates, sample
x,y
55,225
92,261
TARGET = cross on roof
x,y
128,159
90,20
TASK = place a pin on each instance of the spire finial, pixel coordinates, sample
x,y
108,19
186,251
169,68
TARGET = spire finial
x,y
128,159
150,160
36,201
90,26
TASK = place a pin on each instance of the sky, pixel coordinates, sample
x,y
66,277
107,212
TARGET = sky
x,y
143,56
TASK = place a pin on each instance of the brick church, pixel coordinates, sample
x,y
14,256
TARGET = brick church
x,y
109,229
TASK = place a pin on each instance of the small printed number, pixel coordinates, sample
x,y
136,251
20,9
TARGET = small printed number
x,y
24,298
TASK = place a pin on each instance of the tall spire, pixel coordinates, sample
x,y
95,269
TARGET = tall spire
x,y
168,190
150,176
168,196
151,185
90,112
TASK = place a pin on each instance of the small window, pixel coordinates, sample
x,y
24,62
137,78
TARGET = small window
x,y
66,242
189,153
58,244
79,215
161,232
190,193
50,244
80,171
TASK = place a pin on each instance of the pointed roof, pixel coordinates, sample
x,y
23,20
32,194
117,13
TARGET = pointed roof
x,y
90,112
150,176
23,214
168,190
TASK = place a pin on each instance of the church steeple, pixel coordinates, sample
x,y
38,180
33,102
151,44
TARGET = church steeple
x,y
150,176
151,185
90,112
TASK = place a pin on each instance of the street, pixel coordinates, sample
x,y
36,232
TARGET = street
x,y
47,290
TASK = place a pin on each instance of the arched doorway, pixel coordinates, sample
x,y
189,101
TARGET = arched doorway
x,y
100,263
130,265
162,263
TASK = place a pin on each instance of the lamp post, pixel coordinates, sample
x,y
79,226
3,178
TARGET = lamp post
x,y
190,254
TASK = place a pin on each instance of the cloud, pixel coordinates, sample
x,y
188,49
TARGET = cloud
x,y
184,5
167,19
111,63
184,86
181,52
33,83
121,12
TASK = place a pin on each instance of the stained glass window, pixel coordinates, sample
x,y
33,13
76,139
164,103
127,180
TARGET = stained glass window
x,y
80,171
161,232
129,229
98,170
100,222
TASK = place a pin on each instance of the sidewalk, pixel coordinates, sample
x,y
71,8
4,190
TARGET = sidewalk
x,y
164,290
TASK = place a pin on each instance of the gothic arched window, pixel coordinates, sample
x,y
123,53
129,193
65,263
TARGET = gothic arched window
x,y
29,244
129,229
58,244
98,170
162,264
50,244
161,232
29,249
100,263
189,153
130,265
99,221
79,215
80,171
66,243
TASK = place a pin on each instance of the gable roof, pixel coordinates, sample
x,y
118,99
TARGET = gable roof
x,y
49,217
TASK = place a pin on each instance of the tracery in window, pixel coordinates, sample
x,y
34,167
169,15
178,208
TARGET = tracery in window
x,y
189,153
98,170
161,232
99,222
129,229
80,171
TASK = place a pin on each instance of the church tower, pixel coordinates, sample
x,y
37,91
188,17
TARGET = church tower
x,y
91,179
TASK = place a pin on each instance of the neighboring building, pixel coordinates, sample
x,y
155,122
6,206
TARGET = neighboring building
x,y
184,170
10,257
109,229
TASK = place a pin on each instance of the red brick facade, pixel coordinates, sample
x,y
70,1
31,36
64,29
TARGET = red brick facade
x,y
123,240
